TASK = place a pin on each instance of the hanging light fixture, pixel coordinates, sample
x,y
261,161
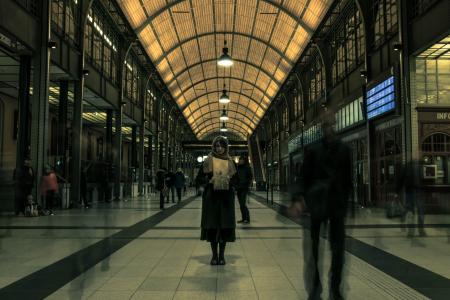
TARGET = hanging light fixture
x,y
225,59
224,116
224,99
224,127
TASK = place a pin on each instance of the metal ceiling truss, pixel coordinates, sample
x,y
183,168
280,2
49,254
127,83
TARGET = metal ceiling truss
x,y
214,60
198,125
266,37
180,45
170,5
243,80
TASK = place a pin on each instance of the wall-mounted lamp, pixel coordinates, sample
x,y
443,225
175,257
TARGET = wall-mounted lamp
x,y
51,45
85,72
363,73
397,47
123,103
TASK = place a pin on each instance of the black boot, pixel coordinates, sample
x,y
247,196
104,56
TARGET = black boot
x,y
222,253
214,260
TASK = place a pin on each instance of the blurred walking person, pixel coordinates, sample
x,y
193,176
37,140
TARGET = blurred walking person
x,y
24,185
409,182
49,189
179,183
325,187
245,177
160,185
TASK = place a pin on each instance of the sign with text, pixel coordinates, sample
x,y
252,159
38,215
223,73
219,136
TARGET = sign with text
x,y
380,98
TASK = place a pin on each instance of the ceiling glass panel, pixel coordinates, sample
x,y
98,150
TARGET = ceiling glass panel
x,y
185,38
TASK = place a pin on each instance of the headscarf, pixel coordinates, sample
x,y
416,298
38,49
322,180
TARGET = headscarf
x,y
208,163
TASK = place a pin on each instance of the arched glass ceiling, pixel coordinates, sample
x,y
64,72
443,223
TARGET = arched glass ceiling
x,y
184,38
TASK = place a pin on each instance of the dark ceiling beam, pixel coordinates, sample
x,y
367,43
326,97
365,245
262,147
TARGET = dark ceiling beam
x,y
215,59
150,18
224,77
179,45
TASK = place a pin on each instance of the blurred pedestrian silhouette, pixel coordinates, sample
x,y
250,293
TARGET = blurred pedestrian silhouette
x,y
325,187
245,176
49,189
409,183
170,184
160,185
179,183
24,185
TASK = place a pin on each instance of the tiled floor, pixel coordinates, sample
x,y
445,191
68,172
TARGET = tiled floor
x,y
168,261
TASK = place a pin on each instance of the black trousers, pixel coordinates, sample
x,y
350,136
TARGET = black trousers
x,y
242,197
49,199
337,239
179,194
161,200
171,191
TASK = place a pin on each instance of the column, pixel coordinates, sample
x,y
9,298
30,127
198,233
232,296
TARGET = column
x,y
117,153
133,146
39,128
24,108
77,134
62,126
109,139
141,158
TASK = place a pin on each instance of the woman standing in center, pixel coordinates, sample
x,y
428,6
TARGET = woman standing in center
x,y
218,220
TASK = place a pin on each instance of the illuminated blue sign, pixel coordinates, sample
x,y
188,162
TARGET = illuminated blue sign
x,y
381,98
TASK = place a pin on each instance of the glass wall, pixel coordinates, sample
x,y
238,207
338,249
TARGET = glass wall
x,y
101,43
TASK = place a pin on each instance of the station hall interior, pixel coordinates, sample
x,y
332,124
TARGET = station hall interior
x,y
225,149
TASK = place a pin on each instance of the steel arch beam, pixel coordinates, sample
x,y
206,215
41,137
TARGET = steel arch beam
x,y
179,45
200,107
308,29
234,124
233,135
221,77
215,59
210,118
217,129
218,91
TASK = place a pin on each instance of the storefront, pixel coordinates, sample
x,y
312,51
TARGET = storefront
x,y
351,128
434,155
387,160
385,125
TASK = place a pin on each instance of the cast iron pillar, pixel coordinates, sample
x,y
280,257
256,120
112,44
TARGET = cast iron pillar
x,y
117,153
39,129
77,134
23,135
141,158
109,141
62,126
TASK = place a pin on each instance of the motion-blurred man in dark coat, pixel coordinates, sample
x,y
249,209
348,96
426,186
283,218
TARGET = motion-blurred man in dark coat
x,y
325,187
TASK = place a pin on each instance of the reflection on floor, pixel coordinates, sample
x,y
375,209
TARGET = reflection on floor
x,y
166,259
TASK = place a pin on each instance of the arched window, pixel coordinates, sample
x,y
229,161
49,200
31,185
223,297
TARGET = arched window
x,y
438,142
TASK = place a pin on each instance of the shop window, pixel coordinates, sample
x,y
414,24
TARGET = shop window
x,y
438,142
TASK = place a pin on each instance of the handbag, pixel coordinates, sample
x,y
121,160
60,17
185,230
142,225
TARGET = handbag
x,y
394,209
